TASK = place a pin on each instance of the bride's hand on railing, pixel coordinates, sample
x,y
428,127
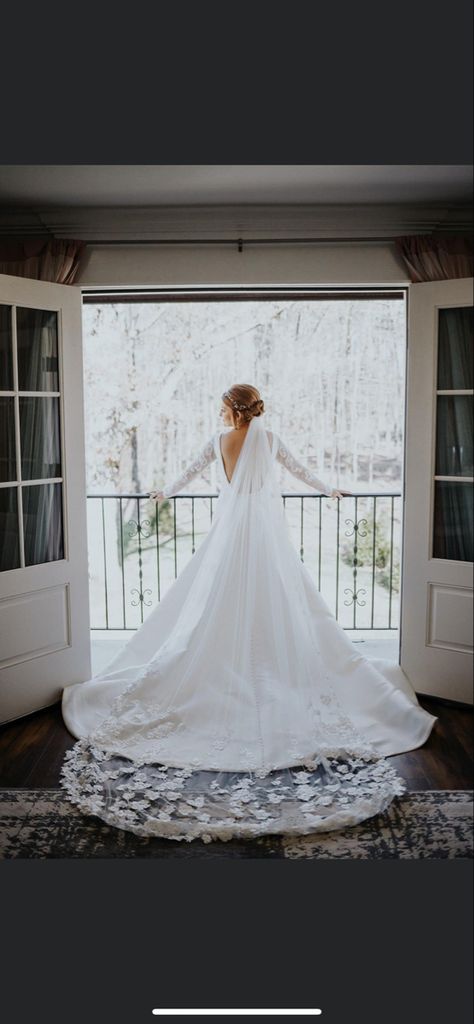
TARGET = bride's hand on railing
x,y
157,496
339,494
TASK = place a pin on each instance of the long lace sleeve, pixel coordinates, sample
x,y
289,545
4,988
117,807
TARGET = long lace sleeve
x,y
296,468
207,455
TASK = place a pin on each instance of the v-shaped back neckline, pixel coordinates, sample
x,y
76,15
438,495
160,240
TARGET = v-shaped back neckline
x,y
222,457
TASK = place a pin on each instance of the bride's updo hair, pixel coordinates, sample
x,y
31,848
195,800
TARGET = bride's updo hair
x,y
244,402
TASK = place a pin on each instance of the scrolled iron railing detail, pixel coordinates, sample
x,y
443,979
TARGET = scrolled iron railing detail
x,y
141,597
355,596
137,529
356,527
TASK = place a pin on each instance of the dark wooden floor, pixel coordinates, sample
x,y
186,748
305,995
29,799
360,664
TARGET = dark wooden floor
x,y
32,750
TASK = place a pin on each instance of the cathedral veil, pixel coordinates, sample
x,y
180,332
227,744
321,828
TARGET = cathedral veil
x,y
220,718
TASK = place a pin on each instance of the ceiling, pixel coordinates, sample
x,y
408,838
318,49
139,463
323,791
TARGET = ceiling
x,y
28,186
117,204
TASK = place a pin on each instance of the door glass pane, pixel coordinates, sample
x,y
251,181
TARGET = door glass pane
x,y
42,523
455,345
6,351
7,439
37,340
39,438
454,436
453,521
9,539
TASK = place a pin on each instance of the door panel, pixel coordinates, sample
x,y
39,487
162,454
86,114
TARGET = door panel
x,y
438,550
44,583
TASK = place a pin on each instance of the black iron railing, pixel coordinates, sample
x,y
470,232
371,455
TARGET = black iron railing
x,y
351,546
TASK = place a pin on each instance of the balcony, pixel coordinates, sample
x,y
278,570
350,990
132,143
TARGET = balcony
x,y
351,548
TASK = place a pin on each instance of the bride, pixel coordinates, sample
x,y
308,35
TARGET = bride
x,y
240,707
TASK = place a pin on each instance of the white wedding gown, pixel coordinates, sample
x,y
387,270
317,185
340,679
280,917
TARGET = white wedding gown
x,y
240,707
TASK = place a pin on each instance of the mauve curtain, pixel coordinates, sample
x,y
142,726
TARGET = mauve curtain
x,y
54,259
436,257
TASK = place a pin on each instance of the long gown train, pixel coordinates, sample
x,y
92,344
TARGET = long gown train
x,y
240,707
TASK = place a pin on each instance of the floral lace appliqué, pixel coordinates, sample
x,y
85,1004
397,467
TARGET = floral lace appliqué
x,y
205,457
187,804
285,457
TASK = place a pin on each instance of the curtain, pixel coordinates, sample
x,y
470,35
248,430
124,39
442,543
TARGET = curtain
x,y
45,259
52,259
40,433
453,519
436,257
453,526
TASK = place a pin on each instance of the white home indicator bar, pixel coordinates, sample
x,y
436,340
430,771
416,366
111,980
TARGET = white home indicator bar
x,y
234,1013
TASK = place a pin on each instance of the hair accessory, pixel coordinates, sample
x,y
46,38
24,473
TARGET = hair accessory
x,y
236,405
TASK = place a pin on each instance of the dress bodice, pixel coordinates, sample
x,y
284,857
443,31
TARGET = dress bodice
x,y
221,476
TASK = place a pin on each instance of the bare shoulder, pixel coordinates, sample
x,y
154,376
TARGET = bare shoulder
x,y
230,441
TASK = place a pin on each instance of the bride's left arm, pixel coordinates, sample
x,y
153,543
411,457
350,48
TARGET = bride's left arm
x,y
296,468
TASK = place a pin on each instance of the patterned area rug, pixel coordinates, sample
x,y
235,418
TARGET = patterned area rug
x,y
436,824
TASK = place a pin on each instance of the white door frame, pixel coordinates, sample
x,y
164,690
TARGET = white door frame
x,y
437,597
44,608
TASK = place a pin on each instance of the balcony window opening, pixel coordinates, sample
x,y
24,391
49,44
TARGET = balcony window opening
x,y
331,370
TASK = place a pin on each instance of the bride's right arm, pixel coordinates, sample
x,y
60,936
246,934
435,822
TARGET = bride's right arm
x,y
206,456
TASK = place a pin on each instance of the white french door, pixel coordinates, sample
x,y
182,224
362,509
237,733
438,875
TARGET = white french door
x,y
437,600
44,586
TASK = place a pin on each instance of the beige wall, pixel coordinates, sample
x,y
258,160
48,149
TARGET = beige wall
x,y
354,263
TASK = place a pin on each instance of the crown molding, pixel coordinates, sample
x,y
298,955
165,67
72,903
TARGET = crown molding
x,y
194,223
